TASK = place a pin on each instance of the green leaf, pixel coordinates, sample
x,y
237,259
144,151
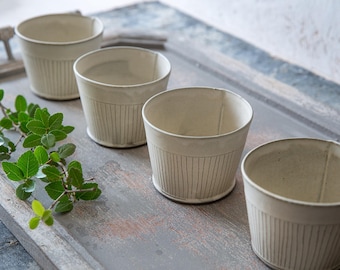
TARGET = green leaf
x,y
42,115
89,195
32,140
38,208
23,117
13,117
23,127
6,123
55,156
21,192
46,215
48,140
34,223
66,150
74,164
29,185
4,157
41,154
12,171
2,93
59,135
49,221
64,206
75,177
40,175
37,127
28,164
52,173
54,189
55,121
12,146
20,103
67,129
3,148
5,142
31,109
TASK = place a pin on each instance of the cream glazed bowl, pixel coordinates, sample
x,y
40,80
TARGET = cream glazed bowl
x,y
50,44
292,190
195,138
114,83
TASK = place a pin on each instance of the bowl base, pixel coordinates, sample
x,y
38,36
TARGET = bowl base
x,y
58,98
192,200
111,145
275,267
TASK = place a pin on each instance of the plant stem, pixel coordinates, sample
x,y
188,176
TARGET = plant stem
x,y
3,109
69,191
65,172
57,200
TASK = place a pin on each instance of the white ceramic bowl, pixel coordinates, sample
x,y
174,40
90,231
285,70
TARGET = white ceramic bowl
x,y
195,139
292,190
50,44
114,84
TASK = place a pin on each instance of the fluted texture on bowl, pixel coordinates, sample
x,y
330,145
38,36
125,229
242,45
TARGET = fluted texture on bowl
x,y
56,78
115,125
285,244
193,179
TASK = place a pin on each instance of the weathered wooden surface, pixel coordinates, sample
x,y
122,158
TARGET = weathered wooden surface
x,y
132,226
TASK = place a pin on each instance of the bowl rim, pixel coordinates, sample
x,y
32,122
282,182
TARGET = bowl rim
x,y
244,126
56,43
116,48
277,196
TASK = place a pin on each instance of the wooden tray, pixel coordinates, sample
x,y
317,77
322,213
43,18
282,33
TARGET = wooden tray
x,y
132,226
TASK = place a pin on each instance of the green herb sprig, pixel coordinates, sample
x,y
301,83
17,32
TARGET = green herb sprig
x,y
44,158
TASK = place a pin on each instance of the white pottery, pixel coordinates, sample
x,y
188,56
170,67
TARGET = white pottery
x,y
50,44
292,190
114,84
195,138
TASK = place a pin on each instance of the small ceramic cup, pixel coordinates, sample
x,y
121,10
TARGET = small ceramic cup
x,y
195,138
114,84
50,44
292,191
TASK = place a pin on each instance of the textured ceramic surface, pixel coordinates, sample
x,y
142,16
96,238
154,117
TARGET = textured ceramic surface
x,y
50,44
195,138
114,84
292,191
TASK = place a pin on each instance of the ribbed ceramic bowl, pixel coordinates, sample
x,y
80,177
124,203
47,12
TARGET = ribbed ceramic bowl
x,y
114,84
195,138
292,190
50,44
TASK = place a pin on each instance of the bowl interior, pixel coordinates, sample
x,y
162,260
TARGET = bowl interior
x,y
300,169
123,66
198,112
60,28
